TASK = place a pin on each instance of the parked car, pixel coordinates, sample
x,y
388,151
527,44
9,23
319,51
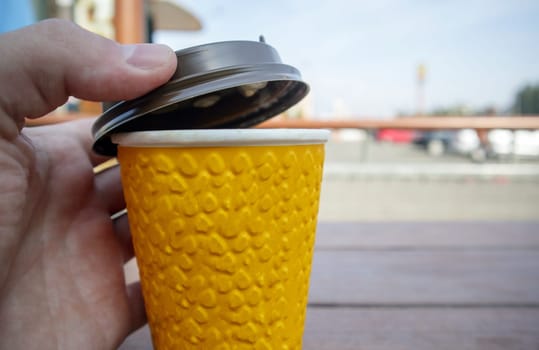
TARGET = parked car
x,y
520,143
436,142
396,135
501,143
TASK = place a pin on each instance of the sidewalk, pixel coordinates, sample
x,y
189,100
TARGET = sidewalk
x,y
378,198
392,182
355,170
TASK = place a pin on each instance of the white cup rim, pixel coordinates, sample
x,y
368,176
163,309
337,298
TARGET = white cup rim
x,y
221,137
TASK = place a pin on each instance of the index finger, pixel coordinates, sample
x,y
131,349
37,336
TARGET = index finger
x,y
45,63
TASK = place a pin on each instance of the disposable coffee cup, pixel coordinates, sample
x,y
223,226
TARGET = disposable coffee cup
x,y
223,224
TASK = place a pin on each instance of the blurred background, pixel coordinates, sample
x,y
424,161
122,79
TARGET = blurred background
x,y
429,213
433,105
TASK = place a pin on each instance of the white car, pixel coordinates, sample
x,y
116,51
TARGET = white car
x,y
503,143
521,143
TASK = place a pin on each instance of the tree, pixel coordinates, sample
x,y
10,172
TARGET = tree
x,y
527,100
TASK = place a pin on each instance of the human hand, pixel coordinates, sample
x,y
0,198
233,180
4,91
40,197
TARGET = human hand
x,y
62,284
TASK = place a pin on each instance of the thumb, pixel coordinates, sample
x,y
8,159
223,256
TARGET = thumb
x,y
45,63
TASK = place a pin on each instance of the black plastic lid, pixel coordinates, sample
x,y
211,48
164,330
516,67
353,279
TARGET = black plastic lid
x,y
232,84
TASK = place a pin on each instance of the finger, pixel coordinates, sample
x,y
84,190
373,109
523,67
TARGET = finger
x,y
121,229
54,59
136,304
109,190
78,130
81,130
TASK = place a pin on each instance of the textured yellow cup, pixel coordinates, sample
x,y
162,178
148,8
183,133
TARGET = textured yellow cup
x,y
223,224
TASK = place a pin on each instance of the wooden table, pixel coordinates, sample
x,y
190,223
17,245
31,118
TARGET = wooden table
x,y
436,285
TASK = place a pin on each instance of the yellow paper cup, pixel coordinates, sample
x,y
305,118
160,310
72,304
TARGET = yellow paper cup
x,y
223,225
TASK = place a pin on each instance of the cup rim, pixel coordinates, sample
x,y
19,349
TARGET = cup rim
x,y
221,137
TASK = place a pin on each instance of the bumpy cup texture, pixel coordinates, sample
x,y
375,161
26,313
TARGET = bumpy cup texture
x,y
224,239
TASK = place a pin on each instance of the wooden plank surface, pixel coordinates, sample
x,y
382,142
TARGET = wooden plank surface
x,y
421,328
427,235
437,263
472,277
420,286
408,329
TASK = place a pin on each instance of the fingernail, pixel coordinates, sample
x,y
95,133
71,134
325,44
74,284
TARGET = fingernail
x,y
146,56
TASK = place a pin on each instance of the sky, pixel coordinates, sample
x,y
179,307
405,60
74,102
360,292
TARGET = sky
x,y
360,58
